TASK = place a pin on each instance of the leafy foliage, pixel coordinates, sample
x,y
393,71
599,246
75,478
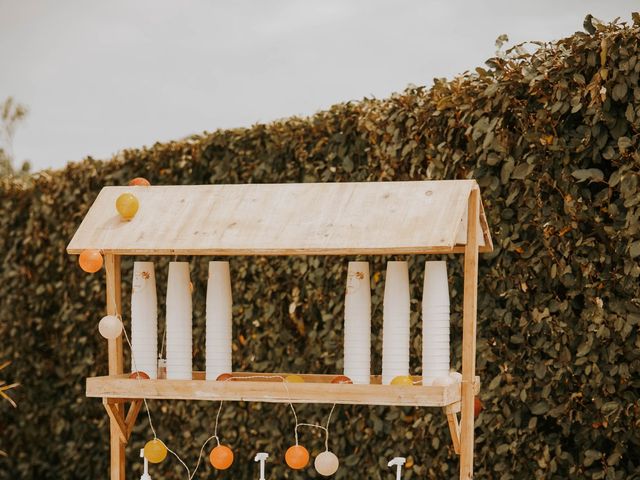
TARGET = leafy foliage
x,y
552,139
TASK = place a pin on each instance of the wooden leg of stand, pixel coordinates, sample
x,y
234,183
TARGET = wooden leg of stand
x,y
116,367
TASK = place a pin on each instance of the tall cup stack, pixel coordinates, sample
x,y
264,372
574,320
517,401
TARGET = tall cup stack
x,y
179,322
357,324
144,320
395,329
219,306
435,322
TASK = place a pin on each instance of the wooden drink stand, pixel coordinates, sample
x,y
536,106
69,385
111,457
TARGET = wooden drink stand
x,y
421,217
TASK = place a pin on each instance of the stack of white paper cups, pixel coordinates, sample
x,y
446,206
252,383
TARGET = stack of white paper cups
x,y
435,322
179,322
395,329
219,305
357,323
144,320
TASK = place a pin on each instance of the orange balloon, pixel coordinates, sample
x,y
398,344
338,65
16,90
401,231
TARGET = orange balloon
x,y
477,406
221,457
140,374
223,377
90,261
297,457
139,182
341,379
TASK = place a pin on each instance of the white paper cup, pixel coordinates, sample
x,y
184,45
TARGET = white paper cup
x,y
436,284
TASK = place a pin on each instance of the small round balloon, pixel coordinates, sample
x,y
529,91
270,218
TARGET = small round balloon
x,y
223,377
326,463
477,406
139,182
127,206
294,379
110,327
90,261
402,380
297,457
140,374
155,451
341,379
221,457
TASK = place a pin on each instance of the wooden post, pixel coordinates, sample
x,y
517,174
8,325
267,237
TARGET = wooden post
x,y
116,363
469,337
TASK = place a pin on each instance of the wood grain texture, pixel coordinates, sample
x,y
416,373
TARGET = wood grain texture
x,y
469,314
317,389
116,366
283,219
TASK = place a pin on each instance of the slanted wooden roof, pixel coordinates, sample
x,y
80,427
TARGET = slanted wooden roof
x,y
284,219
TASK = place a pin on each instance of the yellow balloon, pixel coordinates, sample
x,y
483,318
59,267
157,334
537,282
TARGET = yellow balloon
x,y
127,205
294,379
402,380
155,451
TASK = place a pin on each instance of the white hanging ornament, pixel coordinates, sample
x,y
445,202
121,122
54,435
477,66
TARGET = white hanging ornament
x,y
110,327
326,463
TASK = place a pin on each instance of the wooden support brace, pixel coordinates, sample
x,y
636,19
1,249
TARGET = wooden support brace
x,y
115,415
125,424
132,416
454,428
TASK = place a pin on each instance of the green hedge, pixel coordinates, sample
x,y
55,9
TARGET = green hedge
x,y
551,137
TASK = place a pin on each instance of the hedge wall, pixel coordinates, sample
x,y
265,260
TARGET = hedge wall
x,y
551,137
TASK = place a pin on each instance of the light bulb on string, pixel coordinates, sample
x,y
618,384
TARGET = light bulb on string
x,y
326,463
90,260
110,327
155,451
221,457
127,205
139,182
294,379
404,380
297,457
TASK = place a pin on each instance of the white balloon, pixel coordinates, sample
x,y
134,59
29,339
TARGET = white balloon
x,y
443,381
326,463
110,327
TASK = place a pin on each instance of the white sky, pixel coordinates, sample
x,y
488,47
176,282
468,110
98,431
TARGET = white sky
x,y
99,76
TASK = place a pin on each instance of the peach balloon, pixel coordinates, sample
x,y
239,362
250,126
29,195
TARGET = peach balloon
x,y
139,182
341,379
221,457
90,261
297,457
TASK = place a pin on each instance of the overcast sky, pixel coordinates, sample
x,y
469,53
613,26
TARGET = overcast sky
x,y
99,76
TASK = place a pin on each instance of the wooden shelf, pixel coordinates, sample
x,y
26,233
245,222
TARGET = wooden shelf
x,y
316,389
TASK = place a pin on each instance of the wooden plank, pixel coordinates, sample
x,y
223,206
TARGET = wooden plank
x,y
470,305
116,364
454,429
132,416
279,219
115,417
263,390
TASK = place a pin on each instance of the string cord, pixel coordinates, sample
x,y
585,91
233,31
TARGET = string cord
x,y
191,475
